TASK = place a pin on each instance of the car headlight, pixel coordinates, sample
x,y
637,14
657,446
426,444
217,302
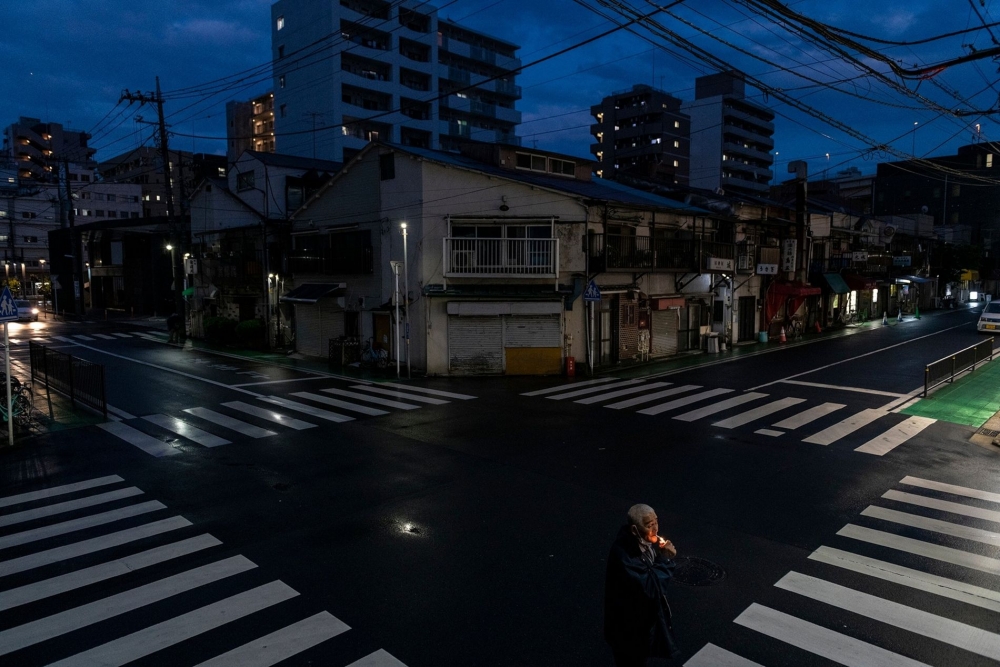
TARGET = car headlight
x,y
34,311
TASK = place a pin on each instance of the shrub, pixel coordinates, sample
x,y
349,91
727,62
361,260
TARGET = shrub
x,y
250,333
219,329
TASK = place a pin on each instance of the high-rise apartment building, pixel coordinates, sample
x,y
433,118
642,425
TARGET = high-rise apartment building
x,y
39,148
250,126
730,137
641,131
350,71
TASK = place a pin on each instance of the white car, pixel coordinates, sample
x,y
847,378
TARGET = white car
x,y
26,311
989,321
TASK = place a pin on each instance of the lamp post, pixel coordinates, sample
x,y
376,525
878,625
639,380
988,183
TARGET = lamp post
x,y
173,269
913,143
406,300
395,299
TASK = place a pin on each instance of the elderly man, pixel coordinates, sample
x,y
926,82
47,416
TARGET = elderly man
x,y
637,623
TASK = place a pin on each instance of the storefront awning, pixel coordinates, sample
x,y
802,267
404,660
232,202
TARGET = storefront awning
x,y
790,295
312,292
794,289
913,279
836,283
856,282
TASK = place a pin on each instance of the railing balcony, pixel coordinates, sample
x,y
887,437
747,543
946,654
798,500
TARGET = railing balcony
x,y
501,258
330,262
610,252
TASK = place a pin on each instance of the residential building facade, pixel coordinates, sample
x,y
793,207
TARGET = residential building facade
x,y
731,137
250,126
396,72
39,148
641,131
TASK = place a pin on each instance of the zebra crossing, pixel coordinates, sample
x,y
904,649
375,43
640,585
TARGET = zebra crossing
x,y
728,409
940,557
151,559
72,339
159,434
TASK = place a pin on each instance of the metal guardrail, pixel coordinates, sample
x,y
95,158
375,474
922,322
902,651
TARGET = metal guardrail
x,y
944,370
77,378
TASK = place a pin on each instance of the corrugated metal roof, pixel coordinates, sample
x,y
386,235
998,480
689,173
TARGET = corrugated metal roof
x,y
296,162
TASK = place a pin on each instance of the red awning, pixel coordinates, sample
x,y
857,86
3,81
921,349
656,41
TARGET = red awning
x,y
794,289
791,295
856,282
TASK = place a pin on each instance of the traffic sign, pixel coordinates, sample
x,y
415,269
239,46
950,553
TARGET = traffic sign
x,y
8,307
592,293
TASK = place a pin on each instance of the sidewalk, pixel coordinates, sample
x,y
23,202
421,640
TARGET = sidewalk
x,y
971,400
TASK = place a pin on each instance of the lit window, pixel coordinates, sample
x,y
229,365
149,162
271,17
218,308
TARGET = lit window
x,y
600,117
655,140
677,144
281,81
676,163
600,173
281,22
677,123
989,160
157,197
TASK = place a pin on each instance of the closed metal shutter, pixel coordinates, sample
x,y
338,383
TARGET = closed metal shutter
x,y
475,345
315,325
664,334
532,331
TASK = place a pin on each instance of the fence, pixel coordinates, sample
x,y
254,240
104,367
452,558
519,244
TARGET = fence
x,y
77,378
944,370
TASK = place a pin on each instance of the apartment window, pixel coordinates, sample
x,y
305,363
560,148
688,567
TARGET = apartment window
x,y
85,178
281,51
135,214
564,167
281,22
157,197
677,144
99,196
532,162
677,123
112,214
244,181
989,160
676,163
122,214
84,195
30,239
281,81
387,166
29,215
3,239
282,109
111,198
99,213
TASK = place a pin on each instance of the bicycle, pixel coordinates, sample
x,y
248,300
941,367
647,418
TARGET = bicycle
x,y
22,405
372,357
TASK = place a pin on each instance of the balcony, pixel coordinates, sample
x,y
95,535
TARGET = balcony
x,y
612,252
748,135
330,263
766,127
501,258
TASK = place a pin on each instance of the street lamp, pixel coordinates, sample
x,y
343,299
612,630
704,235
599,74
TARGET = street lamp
x,y
913,144
395,299
406,299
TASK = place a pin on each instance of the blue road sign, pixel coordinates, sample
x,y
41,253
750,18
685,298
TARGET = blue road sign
x,y
592,293
8,307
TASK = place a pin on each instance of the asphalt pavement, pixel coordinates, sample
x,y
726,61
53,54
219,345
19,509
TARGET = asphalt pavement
x,y
465,521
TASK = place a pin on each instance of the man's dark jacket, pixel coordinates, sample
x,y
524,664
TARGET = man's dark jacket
x,y
636,612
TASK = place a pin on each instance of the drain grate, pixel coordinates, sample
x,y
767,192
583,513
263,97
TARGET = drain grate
x,y
988,433
694,571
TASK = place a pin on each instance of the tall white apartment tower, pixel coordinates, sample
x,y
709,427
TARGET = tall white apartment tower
x,y
731,137
350,71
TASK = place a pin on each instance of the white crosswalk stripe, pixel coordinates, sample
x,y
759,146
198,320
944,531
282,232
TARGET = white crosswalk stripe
x,y
841,429
593,390
712,656
237,425
400,395
903,561
182,428
269,415
721,406
895,436
353,407
370,399
122,335
104,336
307,409
68,506
683,401
655,396
141,591
146,443
620,392
758,413
808,416
83,337
432,392
584,383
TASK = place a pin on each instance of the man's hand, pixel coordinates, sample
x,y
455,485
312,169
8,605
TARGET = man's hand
x,y
667,547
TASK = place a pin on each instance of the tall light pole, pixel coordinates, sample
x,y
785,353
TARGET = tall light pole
x,y
395,299
173,271
406,300
913,144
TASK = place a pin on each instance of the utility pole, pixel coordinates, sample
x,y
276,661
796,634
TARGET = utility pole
x,y
77,242
175,235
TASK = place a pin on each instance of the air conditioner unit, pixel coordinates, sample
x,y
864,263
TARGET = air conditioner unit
x,y
463,260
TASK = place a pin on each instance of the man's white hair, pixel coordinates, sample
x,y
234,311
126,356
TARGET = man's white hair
x,y
638,513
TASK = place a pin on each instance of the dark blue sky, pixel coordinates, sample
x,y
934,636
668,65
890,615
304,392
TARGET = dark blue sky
x,y
68,61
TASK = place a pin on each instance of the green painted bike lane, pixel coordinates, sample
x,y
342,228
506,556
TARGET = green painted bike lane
x,y
970,400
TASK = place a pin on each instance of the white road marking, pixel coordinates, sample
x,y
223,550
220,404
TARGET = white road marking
x,y
681,402
226,421
63,622
53,491
307,409
182,428
933,525
719,407
401,395
841,429
308,379
943,505
41,558
282,644
594,390
655,396
354,407
622,392
904,576
758,413
97,573
920,548
133,436
74,525
808,416
912,401
711,655
859,390
82,337
425,390
269,415
64,339
572,385
820,641
380,658
951,488
122,335
371,399
168,633
968,637
104,336
68,506
770,432
120,414
882,444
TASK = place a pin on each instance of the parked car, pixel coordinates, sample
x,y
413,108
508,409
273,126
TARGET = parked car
x,y
26,311
989,321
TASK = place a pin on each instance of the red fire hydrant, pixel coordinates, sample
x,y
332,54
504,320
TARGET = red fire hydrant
x,y
570,367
